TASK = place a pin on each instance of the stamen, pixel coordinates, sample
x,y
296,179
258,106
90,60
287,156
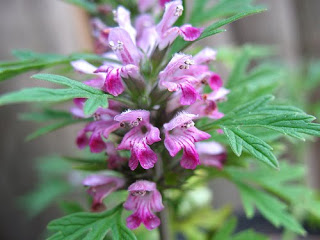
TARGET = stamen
x,y
117,47
187,64
179,10
115,15
139,193
122,124
188,124
134,123
96,116
139,119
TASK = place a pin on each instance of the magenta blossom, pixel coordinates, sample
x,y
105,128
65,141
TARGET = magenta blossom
x,y
138,139
180,132
167,33
208,107
211,154
114,159
173,78
100,129
100,186
144,199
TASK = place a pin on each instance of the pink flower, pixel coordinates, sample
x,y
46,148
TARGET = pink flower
x,y
103,125
211,154
114,158
99,129
180,132
100,186
145,5
167,33
207,107
163,2
144,199
138,139
173,78
122,17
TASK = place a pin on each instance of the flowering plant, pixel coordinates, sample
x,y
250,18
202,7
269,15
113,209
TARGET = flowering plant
x,y
160,122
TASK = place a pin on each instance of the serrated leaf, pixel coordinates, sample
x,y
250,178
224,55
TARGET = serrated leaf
x,y
42,95
270,207
255,146
234,140
91,226
67,82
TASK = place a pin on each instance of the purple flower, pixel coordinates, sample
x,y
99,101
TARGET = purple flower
x,y
114,158
211,154
144,199
167,33
145,5
100,186
180,132
207,107
138,139
103,125
174,78
122,17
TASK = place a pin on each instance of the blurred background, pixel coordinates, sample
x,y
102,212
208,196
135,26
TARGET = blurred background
x,y
292,26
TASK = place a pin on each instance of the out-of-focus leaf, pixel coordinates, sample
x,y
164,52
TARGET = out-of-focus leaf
x,y
93,226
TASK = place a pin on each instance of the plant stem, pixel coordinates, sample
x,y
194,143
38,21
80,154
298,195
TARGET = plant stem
x,y
164,229
164,226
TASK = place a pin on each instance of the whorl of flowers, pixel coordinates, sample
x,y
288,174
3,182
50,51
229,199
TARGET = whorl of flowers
x,y
166,98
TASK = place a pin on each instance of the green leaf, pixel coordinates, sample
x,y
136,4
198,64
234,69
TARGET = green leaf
x,y
76,90
50,128
69,207
234,140
270,207
213,29
287,184
255,146
67,82
45,115
42,95
258,113
89,226
44,195
222,8
225,233
36,61
92,104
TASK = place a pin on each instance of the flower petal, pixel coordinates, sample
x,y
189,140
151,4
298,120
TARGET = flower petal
x,y
189,94
113,83
215,81
190,158
190,33
173,10
122,17
123,46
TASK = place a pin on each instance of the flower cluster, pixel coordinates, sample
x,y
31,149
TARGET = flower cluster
x,y
167,97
